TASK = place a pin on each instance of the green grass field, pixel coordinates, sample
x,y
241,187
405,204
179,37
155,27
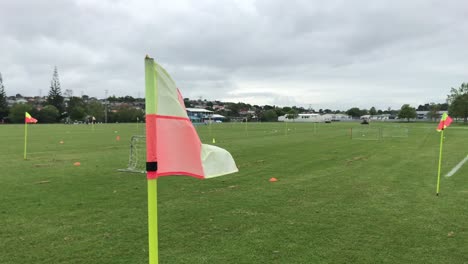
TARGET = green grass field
x,y
337,199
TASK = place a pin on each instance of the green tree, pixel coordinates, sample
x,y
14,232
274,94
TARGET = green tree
x,y
234,108
3,100
407,112
55,97
127,114
112,99
17,112
458,102
433,111
279,112
187,103
424,107
77,113
270,116
268,107
286,109
354,112
128,99
96,109
372,111
75,101
459,107
292,114
443,107
299,109
48,114
76,108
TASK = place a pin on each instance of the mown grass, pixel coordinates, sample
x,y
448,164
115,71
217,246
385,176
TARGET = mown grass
x,y
337,199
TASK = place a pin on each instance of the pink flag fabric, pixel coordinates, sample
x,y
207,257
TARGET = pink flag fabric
x,y
445,121
172,140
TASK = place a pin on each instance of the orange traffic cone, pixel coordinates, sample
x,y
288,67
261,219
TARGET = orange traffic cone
x,y
273,179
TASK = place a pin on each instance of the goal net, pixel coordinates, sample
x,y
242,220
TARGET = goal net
x,y
395,132
137,156
367,133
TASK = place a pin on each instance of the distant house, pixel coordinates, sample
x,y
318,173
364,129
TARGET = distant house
x,y
246,112
303,118
425,115
198,115
21,101
218,118
11,102
337,117
218,107
421,114
381,117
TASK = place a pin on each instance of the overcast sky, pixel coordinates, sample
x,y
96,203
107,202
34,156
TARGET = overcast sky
x,y
323,54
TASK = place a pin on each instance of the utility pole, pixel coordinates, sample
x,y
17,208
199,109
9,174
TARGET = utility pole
x,y
105,107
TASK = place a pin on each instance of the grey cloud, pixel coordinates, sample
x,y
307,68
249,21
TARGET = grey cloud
x,y
328,51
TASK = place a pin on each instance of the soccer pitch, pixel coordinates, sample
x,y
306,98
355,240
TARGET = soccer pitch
x,y
338,198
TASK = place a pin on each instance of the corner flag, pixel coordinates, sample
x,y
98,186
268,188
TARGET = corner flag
x,y
172,144
445,121
172,140
28,118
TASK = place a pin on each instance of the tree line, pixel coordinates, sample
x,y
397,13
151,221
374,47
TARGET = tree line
x,y
72,109
129,109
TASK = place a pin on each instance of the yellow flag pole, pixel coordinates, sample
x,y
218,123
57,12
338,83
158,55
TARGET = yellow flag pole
x,y
440,161
151,105
25,137
209,128
153,221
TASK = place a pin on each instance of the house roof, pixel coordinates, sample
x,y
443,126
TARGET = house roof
x,y
217,116
198,110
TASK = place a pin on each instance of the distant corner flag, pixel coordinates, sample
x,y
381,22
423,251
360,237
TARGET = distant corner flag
x,y
28,118
445,122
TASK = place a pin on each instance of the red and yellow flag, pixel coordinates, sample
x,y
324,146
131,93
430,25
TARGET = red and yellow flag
x,y
29,119
171,138
445,121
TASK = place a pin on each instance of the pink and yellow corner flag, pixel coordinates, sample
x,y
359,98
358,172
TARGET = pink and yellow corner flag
x,y
445,121
29,119
173,145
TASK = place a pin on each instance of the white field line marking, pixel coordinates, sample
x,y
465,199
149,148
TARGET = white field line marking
x,y
456,168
